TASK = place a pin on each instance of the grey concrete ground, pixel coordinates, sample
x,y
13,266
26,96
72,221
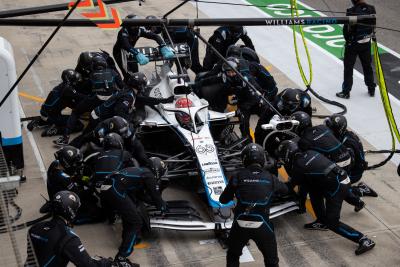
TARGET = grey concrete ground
x,y
297,247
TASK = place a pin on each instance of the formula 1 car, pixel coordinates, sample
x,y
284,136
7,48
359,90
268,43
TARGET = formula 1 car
x,y
200,146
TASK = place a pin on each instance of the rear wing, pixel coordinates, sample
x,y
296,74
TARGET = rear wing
x,y
182,50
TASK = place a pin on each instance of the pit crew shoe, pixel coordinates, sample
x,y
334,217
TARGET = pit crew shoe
x,y
61,141
124,262
343,95
359,206
316,226
364,245
51,131
371,91
366,191
36,123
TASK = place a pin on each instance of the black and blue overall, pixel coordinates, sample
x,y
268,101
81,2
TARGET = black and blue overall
x,y
126,41
59,180
253,188
62,96
117,193
320,138
185,35
222,38
54,244
358,44
328,185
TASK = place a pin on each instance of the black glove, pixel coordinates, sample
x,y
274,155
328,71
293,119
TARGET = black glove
x,y
168,100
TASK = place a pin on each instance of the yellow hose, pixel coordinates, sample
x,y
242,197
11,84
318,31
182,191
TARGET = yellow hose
x,y
295,13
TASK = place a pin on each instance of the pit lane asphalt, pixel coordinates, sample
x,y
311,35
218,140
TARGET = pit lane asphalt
x,y
297,247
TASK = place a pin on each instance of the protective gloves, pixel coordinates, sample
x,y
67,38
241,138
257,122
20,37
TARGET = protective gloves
x,y
167,52
142,59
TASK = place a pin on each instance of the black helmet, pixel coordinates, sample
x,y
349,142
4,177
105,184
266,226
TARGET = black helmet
x,y
290,100
154,29
234,51
66,204
70,158
337,123
120,126
99,63
355,2
132,16
137,80
113,140
304,121
84,65
286,149
71,77
253,154
249,54
158,167
236,29
233,63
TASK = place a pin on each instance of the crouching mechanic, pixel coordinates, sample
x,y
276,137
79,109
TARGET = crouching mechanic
x,y
253,188
128,103
117,194
64,95
338,124
328,185
120,126
54,244
65,173
320,138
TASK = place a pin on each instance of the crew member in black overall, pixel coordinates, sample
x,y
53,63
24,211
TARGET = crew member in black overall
x,y
85,67
54,244
117,192
185,35
124,129
222,38
358,44
320,138
126,41
112,158
65,173
248,101
64,95
253,188
338,124
286,102
128,103
262,76
328,185
104,83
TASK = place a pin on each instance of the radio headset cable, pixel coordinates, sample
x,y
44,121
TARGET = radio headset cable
x,y
307,82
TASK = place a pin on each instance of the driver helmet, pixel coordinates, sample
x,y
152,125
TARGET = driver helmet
x,y
182,117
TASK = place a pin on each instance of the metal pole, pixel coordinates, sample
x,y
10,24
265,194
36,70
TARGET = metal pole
x,y
309,21
39,52
48,8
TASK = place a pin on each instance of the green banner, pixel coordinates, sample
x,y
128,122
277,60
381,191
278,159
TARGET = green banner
x,y
329,37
